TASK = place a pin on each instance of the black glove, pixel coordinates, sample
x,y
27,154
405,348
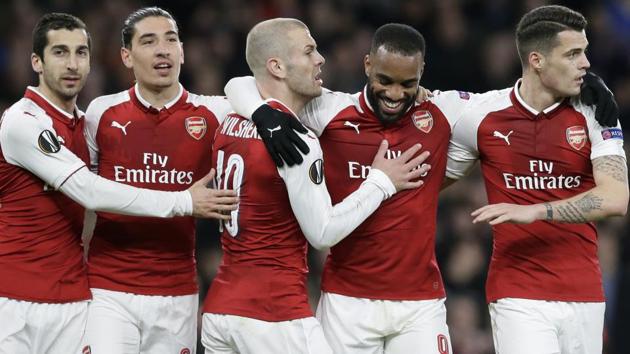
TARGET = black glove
x,y
276,130
595,92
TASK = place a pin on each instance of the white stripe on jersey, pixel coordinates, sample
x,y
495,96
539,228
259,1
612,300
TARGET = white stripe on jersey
x,y
462,150
21,127
93,115
218,105
599,146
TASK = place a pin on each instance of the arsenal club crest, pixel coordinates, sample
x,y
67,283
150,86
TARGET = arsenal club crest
x,y
196,127
576,136
423,120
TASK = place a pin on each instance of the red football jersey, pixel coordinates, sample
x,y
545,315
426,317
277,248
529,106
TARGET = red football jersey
x,y
133,143
41,256
391,256
530,157
263,270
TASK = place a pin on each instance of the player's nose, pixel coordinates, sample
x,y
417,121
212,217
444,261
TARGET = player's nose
x,y
584,62
395,93
161,49
73,62
320,60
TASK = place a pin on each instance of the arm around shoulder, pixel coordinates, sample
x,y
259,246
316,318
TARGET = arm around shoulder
x,y
29,141
100,194
243,95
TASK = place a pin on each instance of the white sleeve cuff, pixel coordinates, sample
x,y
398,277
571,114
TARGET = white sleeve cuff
x,y
186,203
382,181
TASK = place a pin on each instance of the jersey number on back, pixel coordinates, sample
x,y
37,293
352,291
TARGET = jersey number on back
x,y
234,168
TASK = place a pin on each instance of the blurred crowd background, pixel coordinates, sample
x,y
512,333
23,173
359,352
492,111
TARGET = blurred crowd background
x,y
470,47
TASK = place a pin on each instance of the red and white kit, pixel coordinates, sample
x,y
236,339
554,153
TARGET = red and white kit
x,y
258,301
389,259
530,157
43,280
168,149
41,147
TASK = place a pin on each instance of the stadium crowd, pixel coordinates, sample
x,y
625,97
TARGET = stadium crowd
x,y
470,47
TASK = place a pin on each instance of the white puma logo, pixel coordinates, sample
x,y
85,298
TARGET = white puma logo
x,y
355,126
504,137
273,130
115,124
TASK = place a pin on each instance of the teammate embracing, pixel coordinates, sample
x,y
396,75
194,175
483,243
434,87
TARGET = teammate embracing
x,y
44,187
381,288
258,301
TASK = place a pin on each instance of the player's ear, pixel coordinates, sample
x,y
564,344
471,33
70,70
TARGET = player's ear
x,y
421,69
37,63
181,60
367,65
125,55
536,60
276,68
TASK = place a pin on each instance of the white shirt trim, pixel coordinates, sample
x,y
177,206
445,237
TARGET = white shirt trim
x,y
528,107
62,111
167,105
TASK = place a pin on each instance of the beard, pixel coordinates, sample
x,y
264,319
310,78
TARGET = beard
x,y
301,85
65,93
386,118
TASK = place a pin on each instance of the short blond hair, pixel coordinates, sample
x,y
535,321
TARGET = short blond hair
x,y
269,39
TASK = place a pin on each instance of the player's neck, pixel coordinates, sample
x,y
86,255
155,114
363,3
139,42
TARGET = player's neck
x,y
278,90
65,104
534,92
158,97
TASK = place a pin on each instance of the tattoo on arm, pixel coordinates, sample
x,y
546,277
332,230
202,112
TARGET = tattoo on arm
x,y
589,202
576,211
612,165
569,213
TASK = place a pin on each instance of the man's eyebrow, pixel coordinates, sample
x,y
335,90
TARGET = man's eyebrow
x,y
147,35
60,46
383,76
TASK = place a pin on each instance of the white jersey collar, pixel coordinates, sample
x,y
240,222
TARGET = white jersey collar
x,y
528,107
168,104
57,108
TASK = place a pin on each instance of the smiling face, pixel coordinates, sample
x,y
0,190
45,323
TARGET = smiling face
x,y
393,80
304,64
155,53
65,65
563,68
